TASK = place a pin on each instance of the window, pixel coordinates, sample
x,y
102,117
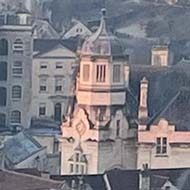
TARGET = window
x,y
116,73
77,157
100,73
161,145
16,92
86,72
43,85
58,84
17,68
117,128
16,116
57,112
3,47
18,46
43,65
3,71
2,120
157,60
71,168
3,95
59,65
42,109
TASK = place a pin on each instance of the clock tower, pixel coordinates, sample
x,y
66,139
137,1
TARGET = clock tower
x,y
95,134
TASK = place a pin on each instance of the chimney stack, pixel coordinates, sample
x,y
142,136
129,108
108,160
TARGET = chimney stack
x,y
143,111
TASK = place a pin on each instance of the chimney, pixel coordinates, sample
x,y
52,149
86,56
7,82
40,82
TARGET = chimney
x,y
145,178
143,111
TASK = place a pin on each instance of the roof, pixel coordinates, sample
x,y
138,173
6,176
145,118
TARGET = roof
x,y
44,45
123,179
21,147
102,42
168,92
179,177
95,181
177,111
12,180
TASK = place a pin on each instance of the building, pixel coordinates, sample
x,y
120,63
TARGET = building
x,y
78,29
16,47
96,126
52,81
164,140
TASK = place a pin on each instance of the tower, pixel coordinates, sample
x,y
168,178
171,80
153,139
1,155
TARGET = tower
x,y
95,134
16,47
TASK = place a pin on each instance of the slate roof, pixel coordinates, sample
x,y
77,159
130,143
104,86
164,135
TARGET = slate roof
x,y
123,179
95,181
44,45
179,177
12,180
168,93
21,147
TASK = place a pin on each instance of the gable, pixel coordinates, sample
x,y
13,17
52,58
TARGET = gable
x,y
58,52
78,29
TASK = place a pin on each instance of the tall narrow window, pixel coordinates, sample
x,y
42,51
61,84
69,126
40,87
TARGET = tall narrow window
x,y
16,116
100,73
42,109
57,112
157,60
43,84
86,70
3,96
18,46
16,92
2,120
118,128
161,145
3,47
3,71
58,84
17,68
116,73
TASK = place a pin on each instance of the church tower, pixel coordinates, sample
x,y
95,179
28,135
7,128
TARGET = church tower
x,y
94,135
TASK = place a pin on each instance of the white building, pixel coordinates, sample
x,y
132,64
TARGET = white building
x,y
52,82
96,136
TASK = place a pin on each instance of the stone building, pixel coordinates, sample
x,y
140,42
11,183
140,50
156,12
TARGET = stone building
x,y
95,135
164,140
16,47
52,81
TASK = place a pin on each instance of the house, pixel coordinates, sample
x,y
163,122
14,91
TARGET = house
x,y
52,80
77,29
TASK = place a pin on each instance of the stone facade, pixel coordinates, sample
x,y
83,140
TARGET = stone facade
x,y
96,136
52,82
16,66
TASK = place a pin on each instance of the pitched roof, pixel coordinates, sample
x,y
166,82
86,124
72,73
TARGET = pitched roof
x,y
12,180
21,147
123,179
95,181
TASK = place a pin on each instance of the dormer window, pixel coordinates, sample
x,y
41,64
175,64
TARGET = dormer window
x,y
116,73
100,73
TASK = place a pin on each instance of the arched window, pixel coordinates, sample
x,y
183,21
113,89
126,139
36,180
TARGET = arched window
x,y
18,46
57,112
17,92
3,47
3,96
3,71
2,120
15,116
